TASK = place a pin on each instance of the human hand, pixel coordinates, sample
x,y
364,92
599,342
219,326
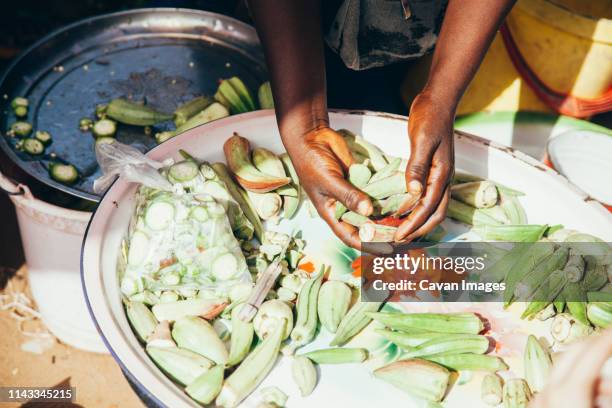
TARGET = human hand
x,y
430,167
575,380
321,158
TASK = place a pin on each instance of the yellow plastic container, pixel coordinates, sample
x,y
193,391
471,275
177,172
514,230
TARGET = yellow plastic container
x,y
566,43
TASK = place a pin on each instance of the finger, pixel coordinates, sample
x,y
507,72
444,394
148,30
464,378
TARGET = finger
x,y
354,199
338,146
417,170
596,354
437,185
436,218
347,233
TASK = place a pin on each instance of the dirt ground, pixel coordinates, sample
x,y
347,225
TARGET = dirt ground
x,y
97,380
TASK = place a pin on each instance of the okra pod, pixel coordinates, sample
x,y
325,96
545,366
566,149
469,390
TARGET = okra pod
x,y
354,219
304,374
511,233
391,168
469,361
264,96
212,112
545,293
600,314
595,276
478,194
458,323
491,389
469,215
600,296
516,393
267,162
452,343
376,156
359,175
338,355
340,209
533,279
498,271
142,320
513,209
237,153
207,386
172,311
371,232
241,197
306,310
241,338
333,304
537,363
355,320
421,378
255,367
290,206
394,184
197,335
180,364
392,204
530,258
267,205
132,113
189,109
576,299
407,341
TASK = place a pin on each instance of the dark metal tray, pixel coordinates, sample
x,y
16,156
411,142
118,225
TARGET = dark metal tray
x,y
163,56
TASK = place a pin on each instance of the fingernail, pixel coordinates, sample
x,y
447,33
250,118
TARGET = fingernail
x,y
415,187
364,208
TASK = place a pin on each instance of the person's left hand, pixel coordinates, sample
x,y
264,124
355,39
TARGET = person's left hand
x,y
430,167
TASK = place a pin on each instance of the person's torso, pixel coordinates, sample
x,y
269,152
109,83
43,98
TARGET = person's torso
x,y
372,33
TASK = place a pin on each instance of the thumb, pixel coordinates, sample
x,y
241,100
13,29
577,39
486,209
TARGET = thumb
x,y
352,198
418,169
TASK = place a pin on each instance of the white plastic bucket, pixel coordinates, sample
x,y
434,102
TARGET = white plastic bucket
x,y
52,238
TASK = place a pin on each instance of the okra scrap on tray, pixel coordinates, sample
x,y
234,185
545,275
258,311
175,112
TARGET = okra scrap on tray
x,y
217,297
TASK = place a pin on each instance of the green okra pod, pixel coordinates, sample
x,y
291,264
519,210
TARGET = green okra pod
x,y
264,96
576,298
304,374
533,279
212,112
189,109
469,215
354,219
132,113
338,355
359,175
478,194
142,320
241,338
355,320
392,204
306,309
511,233
333,304
513,209
180,364
469,362
407,341
207,386
394,184
196,334
420,378
537,363
452,343
600,314
466,323
255,367
545,293
391,168
530,258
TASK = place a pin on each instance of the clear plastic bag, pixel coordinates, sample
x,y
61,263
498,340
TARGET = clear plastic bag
x,y
118,159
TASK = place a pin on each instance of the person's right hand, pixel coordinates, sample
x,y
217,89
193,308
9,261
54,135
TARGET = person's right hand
x,y
575,380
321,159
